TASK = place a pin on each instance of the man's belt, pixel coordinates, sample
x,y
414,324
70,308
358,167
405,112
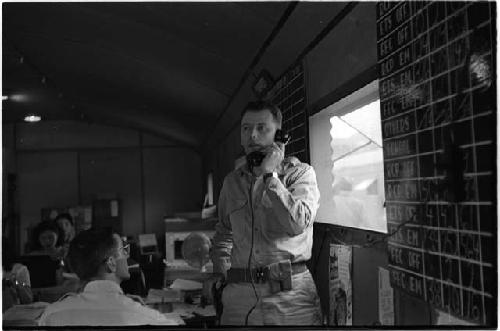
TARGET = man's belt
x,y
259,275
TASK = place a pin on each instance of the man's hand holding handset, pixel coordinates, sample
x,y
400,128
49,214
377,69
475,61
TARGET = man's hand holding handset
x,y
275,154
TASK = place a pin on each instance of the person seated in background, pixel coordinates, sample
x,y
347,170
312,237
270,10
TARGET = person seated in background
x,y
16,284
99,259
65,223
47,239
67,229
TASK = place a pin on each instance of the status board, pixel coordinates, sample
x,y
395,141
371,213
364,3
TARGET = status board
x,y
289,94
438,109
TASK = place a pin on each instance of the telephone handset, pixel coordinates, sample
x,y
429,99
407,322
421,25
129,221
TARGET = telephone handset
x,y
254,159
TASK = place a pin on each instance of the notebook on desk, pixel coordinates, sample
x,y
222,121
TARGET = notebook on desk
x,y
42,270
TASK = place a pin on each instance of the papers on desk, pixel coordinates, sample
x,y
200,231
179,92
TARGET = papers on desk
x,y
186,285
163,296
175,317
24,315
186,310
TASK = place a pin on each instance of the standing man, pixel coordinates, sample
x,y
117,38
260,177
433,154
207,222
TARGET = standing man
x,y
265,230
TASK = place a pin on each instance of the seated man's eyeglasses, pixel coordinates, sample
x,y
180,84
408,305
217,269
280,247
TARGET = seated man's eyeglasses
x,y
125,248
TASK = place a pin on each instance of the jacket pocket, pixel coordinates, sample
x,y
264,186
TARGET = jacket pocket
x,y
237,214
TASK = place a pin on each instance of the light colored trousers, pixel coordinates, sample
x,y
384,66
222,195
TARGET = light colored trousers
x,y
299,306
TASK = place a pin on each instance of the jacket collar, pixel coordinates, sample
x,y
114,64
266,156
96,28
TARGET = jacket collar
x,y
107,286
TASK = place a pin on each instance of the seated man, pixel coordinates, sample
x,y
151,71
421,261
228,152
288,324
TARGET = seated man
x,y
99,259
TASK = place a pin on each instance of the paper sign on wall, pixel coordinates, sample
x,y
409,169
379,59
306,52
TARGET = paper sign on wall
x,y
385,298
340,285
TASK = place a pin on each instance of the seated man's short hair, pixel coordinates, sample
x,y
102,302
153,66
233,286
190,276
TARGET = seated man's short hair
x,y
89,250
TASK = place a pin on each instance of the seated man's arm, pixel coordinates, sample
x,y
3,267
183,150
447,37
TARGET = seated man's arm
x,y
296,204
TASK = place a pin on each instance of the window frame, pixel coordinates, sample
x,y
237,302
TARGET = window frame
x,y
319,123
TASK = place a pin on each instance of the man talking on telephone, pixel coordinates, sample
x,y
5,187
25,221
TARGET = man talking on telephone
x,y
264,234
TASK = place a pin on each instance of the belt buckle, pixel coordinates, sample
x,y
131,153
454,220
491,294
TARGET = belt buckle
x,y
259,275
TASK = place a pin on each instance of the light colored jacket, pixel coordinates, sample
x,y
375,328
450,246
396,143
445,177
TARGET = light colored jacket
x,y
282,211
102,302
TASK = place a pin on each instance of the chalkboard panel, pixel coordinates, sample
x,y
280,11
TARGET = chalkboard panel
x,y
438,109
289,94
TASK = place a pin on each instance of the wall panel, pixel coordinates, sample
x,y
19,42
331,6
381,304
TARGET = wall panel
x,y
337,58
114,174
69,134
65,164
45,180
172,183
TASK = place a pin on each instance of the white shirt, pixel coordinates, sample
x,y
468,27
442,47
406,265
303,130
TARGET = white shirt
x,y
102,302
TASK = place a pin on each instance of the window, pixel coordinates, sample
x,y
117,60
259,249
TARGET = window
x,y
347,154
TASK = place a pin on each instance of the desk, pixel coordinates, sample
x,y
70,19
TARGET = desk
x,y
24,315
193,315
201,321
206,278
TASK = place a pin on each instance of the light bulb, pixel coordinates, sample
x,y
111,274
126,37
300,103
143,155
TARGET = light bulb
x,y
32,118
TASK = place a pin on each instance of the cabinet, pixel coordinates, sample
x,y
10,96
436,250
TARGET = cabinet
x,y
107,213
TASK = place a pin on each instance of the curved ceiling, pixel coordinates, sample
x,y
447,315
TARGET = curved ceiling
x,y
171,69
165,68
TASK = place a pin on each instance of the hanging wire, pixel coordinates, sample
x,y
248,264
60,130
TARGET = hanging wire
x,y
359,131
351,151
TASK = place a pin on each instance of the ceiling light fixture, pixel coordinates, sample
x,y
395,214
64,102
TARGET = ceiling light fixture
x,y
32,118
19,97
